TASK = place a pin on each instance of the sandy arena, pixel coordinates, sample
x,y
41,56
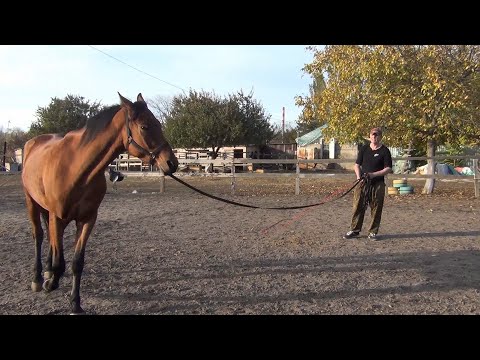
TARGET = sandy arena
x,y
183,253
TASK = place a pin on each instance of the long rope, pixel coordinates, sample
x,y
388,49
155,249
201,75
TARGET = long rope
x,y
367,191
259,207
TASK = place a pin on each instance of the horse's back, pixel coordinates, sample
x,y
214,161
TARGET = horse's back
x,y
39,153
39,144
37,159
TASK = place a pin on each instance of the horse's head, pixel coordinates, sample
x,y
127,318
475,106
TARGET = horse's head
x,y
144,137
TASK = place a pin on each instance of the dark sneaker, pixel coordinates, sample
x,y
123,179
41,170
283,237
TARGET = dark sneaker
x,y
351,235
373,236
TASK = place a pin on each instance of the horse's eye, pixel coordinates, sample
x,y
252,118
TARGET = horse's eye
x,y
143,127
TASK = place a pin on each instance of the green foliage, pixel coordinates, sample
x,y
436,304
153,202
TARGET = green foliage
x,y
63,115
425,95
308,119
455,150
304,126
251,120
417,93
205,120
289,135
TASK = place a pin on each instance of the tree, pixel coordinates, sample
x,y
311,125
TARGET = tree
x,y
205,120
308,120
422,95
161,107
63,115
15,138
289,135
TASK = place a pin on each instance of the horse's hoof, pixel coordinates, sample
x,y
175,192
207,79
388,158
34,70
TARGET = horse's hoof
x,y
48,274
78,311
36,286
49,286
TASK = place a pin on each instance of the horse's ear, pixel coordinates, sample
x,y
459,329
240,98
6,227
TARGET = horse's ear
x,y
125,102
140,97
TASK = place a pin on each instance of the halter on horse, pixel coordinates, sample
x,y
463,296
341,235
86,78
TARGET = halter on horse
x,y
64,181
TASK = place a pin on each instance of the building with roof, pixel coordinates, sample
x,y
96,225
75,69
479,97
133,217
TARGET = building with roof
x,y
313,145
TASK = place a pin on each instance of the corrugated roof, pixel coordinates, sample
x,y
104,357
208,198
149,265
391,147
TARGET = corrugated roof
x,y
312,137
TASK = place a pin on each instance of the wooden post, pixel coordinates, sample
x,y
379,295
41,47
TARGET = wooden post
x,y
233,177
475,176
162,181
297,179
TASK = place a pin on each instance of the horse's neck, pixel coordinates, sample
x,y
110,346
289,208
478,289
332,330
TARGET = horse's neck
x,y
98,153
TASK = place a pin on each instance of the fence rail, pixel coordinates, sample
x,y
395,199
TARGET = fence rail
x,y
232,163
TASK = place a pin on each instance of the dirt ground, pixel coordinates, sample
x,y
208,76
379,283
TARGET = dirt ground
x,y
182,253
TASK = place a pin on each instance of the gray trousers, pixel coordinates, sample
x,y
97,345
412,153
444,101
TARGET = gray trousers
x,y
377,196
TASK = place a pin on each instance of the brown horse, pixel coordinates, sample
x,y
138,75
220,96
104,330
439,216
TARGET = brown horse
x,y
64,180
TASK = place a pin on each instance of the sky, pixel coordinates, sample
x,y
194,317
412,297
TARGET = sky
x,y
30,76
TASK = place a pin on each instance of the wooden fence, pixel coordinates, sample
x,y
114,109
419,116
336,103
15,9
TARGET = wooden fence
x,y
231,166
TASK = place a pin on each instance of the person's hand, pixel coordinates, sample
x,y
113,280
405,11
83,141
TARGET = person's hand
x,y
365,176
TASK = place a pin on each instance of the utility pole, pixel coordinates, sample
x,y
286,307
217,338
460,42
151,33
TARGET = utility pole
x,y
5,144
283,124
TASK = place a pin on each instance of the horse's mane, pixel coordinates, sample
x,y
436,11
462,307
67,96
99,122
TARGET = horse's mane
x,y
98,122
138,108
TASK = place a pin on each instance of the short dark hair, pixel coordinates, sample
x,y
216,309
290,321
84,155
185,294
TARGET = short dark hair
x,y
376,130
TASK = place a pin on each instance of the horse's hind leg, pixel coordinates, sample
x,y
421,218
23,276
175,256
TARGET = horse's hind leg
x,y
48,264
55,231
34,214
84,228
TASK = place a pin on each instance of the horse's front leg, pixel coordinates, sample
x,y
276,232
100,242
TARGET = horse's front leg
x,y
37,232
84,228
56,229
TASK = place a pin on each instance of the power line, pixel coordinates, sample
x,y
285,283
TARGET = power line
x,y
133,67
143,72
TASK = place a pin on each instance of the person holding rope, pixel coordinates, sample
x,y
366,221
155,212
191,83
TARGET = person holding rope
x,y
374,161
